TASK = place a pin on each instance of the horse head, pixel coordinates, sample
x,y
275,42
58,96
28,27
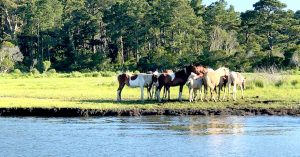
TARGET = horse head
x,y
155,76
191,68
191,78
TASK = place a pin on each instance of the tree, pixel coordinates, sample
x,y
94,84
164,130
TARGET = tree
x,y
9,55
198,7
270,26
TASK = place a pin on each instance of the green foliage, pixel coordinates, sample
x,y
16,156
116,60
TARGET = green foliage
x,y
87,35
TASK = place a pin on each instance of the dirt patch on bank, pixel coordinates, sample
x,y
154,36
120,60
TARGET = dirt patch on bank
x,y
76,112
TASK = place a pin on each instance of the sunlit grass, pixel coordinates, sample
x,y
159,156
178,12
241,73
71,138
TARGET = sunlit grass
x,y
100,93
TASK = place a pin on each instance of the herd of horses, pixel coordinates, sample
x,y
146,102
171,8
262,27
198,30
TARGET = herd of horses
x,y
197,78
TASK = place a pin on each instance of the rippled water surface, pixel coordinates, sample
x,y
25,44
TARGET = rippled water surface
x,y
150,136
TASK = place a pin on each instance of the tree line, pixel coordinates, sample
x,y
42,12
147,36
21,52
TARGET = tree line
x,y
87,35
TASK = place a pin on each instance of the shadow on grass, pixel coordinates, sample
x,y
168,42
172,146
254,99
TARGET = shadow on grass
x,y
131,102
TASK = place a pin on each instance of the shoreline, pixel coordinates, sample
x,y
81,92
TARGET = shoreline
x,y
77,112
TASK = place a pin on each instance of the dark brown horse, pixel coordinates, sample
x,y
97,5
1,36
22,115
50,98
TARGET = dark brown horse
x,y
165,80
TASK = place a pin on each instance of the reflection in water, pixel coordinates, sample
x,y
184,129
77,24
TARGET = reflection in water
x,y
210,126
150,136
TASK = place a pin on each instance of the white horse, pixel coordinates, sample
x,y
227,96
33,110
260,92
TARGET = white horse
x,y
236,79
194,84
139,80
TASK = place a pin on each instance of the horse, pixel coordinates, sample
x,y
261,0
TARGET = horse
x,y
194,84
234,79
138,80
180,78
214,79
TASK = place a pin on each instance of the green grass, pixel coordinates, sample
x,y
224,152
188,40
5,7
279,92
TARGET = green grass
x,y
96,92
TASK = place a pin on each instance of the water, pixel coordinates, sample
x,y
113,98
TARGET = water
x,y
150,136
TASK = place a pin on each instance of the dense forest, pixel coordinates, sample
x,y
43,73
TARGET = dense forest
x,y
88,35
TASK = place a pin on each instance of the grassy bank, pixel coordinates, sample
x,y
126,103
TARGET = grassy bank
x,y
264,91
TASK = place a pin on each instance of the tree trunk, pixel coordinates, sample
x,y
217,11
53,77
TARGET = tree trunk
x,y
1,24
270,41
137,50
122,50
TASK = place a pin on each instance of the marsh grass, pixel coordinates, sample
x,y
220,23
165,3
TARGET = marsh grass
x,y
93,91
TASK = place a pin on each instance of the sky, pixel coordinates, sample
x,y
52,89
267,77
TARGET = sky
x,y
243,5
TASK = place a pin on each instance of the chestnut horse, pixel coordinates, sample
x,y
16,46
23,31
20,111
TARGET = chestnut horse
x,y
165,80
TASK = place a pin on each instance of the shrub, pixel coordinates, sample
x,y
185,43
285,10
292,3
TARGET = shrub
x,y
76,74
107,73
34,71
96,74
17,71
294,82
52,71
85,70
259,83
87,74
279,83
46,65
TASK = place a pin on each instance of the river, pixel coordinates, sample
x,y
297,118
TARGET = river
x,y
150,136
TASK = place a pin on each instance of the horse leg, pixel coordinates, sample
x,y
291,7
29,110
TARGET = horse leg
x,y
142,93
191,94
180,93
119,91
168,92
205,92
219,92
212,95
200,91
213,98
158,93
149,94
152,91
165,93
224,92
242,92
195,95
229,86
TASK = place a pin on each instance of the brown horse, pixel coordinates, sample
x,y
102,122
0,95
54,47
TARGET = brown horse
x,y
165,80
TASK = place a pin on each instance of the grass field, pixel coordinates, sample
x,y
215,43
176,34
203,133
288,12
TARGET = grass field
x,y
97,92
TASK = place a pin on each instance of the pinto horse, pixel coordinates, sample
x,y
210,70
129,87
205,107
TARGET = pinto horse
x,y
138,80
165,80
